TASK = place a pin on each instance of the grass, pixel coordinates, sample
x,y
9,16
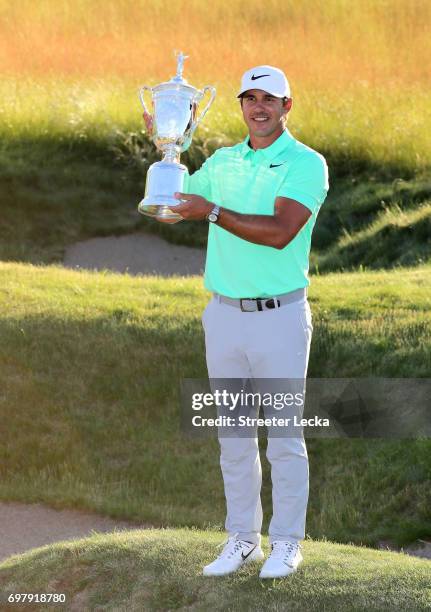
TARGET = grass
x,y
90,364
356,128
353,204
73,156
62,184
52,196
396,237
161,570
389,40
74,68
90,369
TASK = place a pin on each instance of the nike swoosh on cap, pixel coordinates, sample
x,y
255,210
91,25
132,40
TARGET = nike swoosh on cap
x,y
253,78
276,165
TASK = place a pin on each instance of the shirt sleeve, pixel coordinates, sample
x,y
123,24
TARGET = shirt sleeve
x,y
306,181
200,181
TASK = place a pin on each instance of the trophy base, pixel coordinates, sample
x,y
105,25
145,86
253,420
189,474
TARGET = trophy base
x,y
160,211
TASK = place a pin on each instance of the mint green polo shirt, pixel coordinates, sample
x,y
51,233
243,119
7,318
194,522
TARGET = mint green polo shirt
x,y
248,181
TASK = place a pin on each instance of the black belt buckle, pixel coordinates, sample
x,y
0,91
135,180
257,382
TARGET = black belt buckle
x,y
271,303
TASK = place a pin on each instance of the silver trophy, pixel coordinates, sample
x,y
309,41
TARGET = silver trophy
x,y
174,105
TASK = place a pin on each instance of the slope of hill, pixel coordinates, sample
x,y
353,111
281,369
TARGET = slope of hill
x,y
55,193
90,372
161,570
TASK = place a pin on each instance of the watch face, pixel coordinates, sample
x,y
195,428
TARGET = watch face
x,y
212,217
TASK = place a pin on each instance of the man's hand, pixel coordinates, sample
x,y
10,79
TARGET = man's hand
x,y
148,122
193,207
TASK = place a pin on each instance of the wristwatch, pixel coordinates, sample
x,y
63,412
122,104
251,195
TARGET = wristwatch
x,y
213,216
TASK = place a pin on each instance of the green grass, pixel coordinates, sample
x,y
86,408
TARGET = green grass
x,y
73,156
90,364
355,202
161,570
396,237
357,128
90,369
73,160
370,223
55,192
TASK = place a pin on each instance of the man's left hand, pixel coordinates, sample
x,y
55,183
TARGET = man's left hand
x,y
192,207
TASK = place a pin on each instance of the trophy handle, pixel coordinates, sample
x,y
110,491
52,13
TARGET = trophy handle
x,y
143,89
204,112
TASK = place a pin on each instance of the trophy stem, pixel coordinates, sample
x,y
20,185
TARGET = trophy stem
x,y
171,153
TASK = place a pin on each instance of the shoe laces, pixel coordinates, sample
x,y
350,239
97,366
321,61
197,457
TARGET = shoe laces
x,y
231,546
284,549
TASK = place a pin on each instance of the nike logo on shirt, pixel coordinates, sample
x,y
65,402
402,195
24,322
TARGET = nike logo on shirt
x,y
260,76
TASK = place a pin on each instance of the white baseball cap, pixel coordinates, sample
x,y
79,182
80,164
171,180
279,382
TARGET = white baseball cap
x,y
269,79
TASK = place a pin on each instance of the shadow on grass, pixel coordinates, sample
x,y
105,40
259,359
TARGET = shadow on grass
x,y
59,189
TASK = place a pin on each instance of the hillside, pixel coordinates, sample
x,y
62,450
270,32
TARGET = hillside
x,y
161,570
56,193
90,372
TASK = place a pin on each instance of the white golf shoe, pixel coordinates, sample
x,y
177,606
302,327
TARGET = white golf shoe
x,y
234,554
283,560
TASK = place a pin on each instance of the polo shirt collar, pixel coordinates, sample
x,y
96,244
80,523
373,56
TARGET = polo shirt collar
x,y
274,150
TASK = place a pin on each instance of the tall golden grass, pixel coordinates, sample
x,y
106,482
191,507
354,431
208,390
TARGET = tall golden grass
x,y
360,70
324,42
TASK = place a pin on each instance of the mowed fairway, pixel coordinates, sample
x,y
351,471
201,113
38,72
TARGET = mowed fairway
x,y
90,372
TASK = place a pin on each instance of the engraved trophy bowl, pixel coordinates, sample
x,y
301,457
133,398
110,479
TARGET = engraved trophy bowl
x,y
174,106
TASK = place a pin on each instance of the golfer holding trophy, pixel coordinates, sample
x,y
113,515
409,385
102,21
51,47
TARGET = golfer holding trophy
x,y
261,198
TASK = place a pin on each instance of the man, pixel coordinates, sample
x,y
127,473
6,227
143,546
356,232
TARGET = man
x,y
261,198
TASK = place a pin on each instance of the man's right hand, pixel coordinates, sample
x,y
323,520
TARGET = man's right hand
x,y
148,123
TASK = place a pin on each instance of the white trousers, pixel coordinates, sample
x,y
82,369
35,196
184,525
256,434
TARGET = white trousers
x,y
261,345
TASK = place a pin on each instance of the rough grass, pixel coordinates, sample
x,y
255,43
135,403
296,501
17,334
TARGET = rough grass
x,y
161,570
358,127
396,237
329,42
73,157
58,190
